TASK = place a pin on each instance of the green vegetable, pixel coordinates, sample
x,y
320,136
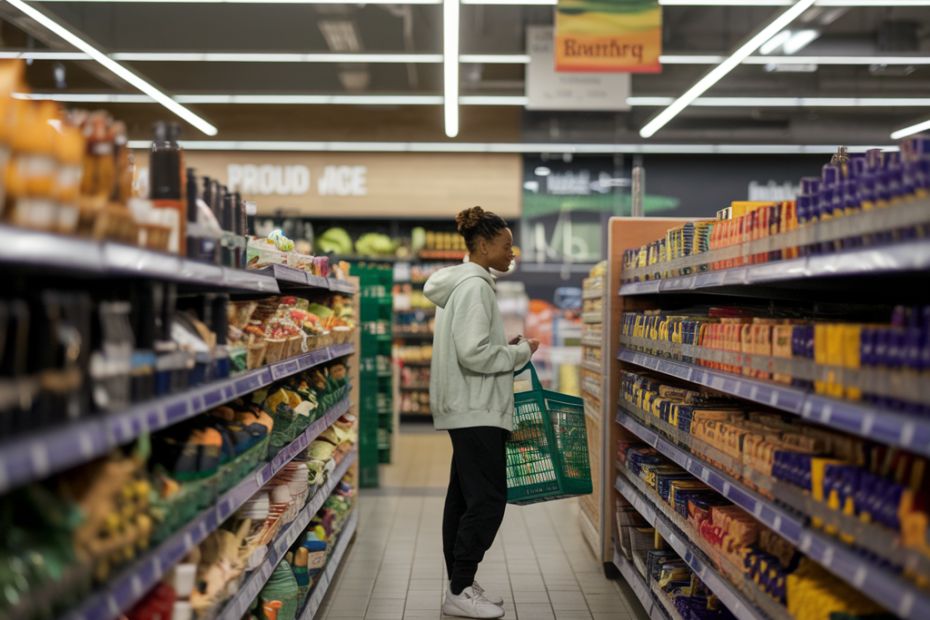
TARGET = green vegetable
x,y
335,240
374,244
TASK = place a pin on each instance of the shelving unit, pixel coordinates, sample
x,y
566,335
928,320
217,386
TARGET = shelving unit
x,y
594,520
736,601
653,607
375,365
58,254
781,507
252,586
48,451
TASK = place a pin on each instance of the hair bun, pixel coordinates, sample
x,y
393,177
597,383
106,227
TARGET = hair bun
x,y
469,218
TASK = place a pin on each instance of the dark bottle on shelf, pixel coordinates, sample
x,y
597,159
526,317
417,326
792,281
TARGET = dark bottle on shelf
x,y
166,182
228,251
145,298
193,243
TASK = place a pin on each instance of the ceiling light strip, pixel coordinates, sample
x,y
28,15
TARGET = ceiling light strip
x,y
667,59
277,58
476,147
496,59
910,131
450,45
718,72
115,67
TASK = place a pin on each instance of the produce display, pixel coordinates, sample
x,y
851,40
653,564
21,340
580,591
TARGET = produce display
x,y
276,249
295,578
269,330
86,523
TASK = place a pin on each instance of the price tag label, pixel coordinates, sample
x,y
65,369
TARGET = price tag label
x,y
859,578
136,586
827,559
806,541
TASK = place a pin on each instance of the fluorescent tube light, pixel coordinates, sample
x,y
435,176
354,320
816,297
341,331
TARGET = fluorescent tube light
x,y
775,42
240,57
493,100
478,147
799,40
450,43
910,131
718,72
501,100
499,59
700,59
838,60
791,102
115,67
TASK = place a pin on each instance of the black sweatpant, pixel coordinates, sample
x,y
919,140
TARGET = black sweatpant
x,y
475,501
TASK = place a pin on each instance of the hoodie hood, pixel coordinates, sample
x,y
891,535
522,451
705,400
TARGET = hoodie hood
x,y
440,285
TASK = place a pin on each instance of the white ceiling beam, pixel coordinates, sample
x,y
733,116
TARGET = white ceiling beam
x,y
483,100
484,147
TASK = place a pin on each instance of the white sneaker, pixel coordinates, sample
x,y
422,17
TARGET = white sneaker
x,y
491,598
469,604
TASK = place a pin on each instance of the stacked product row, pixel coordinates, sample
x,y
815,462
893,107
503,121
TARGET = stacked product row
x,y
855,188
73,173
883,488
884,362
680,591
754,558
71,354
292,580
88,522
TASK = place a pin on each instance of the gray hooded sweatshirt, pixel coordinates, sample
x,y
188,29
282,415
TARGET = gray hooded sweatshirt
x,y
471,378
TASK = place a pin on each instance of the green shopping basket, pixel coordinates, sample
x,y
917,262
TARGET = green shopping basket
x,y
547,454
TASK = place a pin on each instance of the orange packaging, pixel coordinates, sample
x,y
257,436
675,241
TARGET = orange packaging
x,y
746,346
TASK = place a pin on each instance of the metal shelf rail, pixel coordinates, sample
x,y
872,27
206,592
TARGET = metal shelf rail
x,y
43,453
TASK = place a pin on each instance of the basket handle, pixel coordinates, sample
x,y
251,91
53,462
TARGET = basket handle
x,y
534,378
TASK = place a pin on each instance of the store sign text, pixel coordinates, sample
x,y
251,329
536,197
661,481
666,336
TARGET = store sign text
x,y
271,180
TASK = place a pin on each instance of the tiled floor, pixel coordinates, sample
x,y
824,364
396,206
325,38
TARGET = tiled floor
x,y
539,564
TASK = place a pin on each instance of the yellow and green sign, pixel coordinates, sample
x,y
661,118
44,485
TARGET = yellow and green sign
x,y
620,36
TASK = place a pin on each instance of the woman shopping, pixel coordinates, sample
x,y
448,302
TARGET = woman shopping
x,y
471,396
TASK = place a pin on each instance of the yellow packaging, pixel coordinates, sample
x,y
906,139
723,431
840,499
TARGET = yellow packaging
x,y
820,353
835,333
852,335
818,473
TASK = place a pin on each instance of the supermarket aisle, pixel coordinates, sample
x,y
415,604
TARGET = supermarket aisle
x,y
539,563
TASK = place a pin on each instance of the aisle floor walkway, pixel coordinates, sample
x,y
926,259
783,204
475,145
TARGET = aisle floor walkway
x,y
539,564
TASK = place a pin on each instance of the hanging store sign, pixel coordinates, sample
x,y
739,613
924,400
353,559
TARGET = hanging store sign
x,y
547,89
608,36
364,184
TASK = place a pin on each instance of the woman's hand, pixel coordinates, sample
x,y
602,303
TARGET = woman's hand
x,y
533,342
